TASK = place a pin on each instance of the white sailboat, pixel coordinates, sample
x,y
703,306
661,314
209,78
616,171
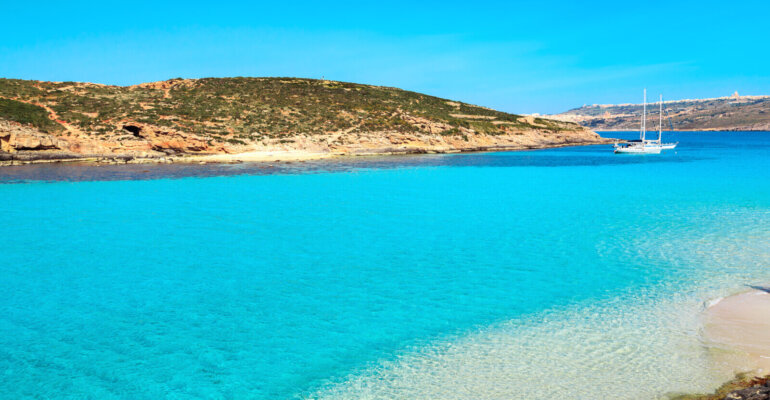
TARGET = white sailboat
x,y
644,146
663,146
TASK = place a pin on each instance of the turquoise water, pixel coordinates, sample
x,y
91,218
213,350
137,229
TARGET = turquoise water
x,y
378,278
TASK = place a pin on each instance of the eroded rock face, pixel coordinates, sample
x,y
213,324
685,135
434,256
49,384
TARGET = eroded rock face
x,y
16,137
5,141
137,140
151,138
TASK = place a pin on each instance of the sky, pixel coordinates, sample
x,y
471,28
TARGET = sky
x,y
521,57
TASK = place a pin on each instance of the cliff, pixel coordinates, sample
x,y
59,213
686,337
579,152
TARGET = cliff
x,y
734,113
182,117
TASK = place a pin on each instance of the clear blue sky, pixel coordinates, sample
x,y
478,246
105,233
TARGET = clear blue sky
x,y
520,57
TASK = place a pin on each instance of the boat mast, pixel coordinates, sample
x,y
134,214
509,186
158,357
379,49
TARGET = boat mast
x,y
660,123
644,117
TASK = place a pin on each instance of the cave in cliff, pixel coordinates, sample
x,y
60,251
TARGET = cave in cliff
x,y
135,130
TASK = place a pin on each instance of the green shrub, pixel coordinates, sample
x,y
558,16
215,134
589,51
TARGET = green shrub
x,y
28,114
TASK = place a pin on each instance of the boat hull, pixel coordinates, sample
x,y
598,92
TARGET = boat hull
x,y
638,150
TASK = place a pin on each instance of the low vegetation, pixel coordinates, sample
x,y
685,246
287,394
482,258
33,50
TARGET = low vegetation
x,y
28,114
239,110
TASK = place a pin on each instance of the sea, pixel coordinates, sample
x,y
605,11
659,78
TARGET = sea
x,y
568,273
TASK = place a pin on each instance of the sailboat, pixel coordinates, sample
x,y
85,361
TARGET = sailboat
x,y
644,146
663,146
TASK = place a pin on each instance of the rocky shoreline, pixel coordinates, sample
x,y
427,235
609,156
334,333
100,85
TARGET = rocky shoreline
x,y
18,158
743,387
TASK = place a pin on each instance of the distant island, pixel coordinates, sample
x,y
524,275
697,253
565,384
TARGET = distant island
x,y
240,119
733,113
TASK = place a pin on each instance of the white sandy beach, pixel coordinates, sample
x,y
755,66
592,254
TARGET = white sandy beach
x,y
738,327
263,156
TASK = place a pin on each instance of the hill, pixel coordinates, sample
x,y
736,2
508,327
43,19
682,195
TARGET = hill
x,y
182,117
734,113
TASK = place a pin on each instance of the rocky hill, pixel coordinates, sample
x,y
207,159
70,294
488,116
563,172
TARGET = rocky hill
x,y
734,113
178,117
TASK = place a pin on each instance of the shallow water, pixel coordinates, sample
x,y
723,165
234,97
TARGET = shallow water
x,y
565,272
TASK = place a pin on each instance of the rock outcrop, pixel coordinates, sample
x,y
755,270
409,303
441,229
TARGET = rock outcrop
x,y
743,387
16,137
759,392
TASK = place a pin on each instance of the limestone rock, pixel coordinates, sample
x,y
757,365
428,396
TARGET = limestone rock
x,y
761,392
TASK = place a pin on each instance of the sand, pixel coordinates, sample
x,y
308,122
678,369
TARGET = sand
x,y
738,330
259,156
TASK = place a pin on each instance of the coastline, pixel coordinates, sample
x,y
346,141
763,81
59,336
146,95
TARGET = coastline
x,y
280,155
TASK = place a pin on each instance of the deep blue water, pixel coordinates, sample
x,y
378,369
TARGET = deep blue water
x,y
253,281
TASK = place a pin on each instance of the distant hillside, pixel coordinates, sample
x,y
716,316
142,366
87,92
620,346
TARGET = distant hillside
x,y
234,115
723,113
